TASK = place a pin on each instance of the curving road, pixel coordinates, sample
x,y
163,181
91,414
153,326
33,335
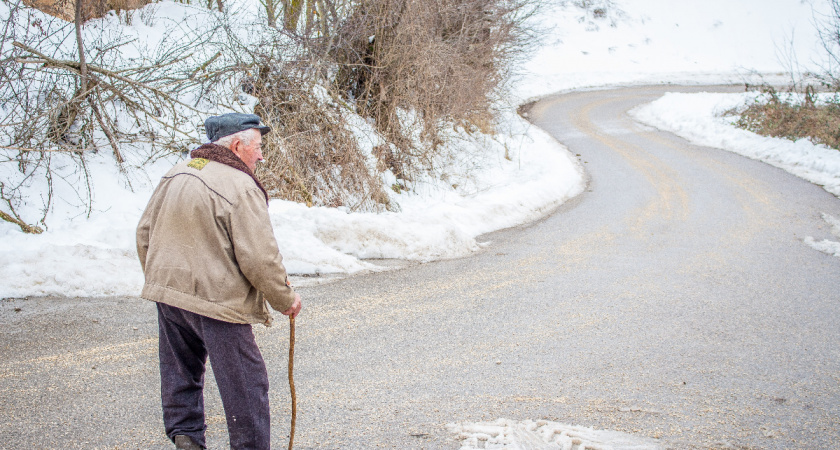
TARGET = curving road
x,y
674,299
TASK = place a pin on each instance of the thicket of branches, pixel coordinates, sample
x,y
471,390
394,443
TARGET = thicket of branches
x,y
312,156
415,69
64,98
443,60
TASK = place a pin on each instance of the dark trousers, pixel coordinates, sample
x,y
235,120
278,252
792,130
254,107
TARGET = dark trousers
x,y
186,340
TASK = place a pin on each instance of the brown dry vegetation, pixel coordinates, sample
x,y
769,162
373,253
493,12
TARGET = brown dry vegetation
x,y
440,58
798,114
311,156
90,9
415,68
786,117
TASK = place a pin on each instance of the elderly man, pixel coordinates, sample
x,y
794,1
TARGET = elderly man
x,y
211,263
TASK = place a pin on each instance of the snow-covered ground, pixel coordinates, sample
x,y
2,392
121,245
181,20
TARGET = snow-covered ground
x,y
662,41
700,119
521,175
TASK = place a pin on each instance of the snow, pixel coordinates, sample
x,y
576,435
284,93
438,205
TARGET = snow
x,y
96,256
511,179
827,246
701,119
661,41
544,434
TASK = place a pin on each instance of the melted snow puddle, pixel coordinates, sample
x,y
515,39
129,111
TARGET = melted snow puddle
x,y
544,435
827,246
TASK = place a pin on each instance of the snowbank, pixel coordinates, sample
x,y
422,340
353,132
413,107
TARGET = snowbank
x,y
699,119
501,181
96,256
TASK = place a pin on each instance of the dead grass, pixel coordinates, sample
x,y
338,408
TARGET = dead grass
x,y
788,117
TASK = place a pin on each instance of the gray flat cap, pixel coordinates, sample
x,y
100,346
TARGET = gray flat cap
x,y
220,126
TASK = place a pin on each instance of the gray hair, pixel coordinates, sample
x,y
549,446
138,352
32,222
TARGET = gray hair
x,y
244,136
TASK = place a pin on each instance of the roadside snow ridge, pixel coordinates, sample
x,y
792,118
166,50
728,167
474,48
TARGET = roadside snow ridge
x,y
544,435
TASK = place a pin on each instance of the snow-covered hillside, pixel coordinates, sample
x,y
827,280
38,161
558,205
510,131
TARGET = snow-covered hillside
x,y
513,178
661,41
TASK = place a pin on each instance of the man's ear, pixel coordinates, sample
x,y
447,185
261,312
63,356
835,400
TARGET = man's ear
x,y
234,146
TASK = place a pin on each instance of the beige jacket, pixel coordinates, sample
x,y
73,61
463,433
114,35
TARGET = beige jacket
x,y
206,245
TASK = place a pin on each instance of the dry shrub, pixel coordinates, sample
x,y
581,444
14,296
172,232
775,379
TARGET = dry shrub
x,y
418,67
798,114
57,108
792,119
311,156
415,68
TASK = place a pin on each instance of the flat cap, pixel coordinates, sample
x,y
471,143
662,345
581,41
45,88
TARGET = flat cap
x,y
218,127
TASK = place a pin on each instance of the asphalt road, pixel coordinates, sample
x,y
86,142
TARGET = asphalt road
x,y
674,299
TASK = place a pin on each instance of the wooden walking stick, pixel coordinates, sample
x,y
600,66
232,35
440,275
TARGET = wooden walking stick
x,y
291,377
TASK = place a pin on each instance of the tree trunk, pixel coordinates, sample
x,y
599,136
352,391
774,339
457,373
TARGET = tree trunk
x,y
292,10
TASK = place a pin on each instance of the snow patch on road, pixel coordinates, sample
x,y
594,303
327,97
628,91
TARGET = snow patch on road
x,y
543,434
827,246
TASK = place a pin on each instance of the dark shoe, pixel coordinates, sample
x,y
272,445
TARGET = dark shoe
x,y
185,443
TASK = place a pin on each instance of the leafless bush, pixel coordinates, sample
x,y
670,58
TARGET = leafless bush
x,y
792,116
418,67
829,30
57,105
415,68
313,155
800,113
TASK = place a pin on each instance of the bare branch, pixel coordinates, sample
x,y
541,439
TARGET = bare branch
x,y
49,150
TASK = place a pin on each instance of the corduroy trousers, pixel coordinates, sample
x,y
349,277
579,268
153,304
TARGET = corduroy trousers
x,y
186,341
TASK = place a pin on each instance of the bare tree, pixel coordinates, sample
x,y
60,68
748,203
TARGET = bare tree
x,y
416,69
829,30
58,104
